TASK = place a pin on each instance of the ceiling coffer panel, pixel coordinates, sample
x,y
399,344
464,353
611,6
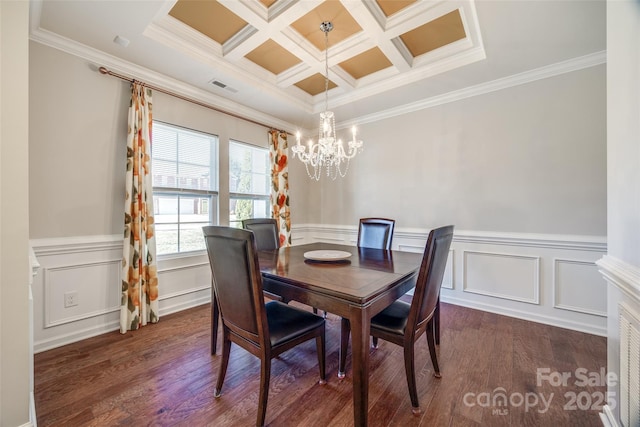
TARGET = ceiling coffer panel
x,y
315,84
273,57
208,17
365,63
389,7
434,34
344,26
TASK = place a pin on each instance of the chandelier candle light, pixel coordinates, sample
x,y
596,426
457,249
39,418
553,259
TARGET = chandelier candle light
x,y
328,152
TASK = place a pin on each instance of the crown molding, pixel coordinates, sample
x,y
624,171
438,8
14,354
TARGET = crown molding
x,y
575,64
99,58
464,57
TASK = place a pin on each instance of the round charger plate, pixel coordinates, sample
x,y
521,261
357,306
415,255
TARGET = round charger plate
x,y
327,255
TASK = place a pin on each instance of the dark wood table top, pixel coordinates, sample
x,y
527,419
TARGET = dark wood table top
x,y
359,279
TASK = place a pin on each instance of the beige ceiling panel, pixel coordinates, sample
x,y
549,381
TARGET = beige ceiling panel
x,y
209,17
267,3
344,26
432,35
315,84
366,63
389,7
273,57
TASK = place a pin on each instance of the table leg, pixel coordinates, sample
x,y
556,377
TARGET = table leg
x,y
360,326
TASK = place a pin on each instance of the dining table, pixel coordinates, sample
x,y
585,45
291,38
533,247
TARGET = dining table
x,y
355,283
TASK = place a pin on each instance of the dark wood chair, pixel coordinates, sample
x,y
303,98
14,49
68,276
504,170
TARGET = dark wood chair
x,y
264,330
266,235
403,323
266,232
375,233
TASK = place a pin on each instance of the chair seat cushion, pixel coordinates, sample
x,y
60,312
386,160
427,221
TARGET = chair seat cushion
x,y
287,322
392,319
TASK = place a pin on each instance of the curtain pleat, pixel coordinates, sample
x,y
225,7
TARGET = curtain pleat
x,y
139,301
280,184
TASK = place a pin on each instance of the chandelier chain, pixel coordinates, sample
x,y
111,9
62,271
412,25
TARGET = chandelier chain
x,y
326,30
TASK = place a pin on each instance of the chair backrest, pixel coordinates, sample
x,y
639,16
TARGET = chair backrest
x,y
375,233
237,281
266,232
427,291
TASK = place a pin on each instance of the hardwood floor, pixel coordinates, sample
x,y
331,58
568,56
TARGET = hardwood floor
x,y
164,375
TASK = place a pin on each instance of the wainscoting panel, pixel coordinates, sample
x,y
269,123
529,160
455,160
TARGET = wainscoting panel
x,y
578,286
545,278
623,341
88,268
507,276
79,282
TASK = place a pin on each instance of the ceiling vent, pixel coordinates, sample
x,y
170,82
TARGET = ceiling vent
x,y
223,86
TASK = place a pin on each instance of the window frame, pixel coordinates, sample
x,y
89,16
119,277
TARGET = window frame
x,y
181,192
234,195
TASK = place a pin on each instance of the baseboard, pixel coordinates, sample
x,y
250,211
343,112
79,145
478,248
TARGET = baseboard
x,y
607,417
525,315
33,419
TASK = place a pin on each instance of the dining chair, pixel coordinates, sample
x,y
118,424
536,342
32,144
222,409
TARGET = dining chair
x,y
403,323
266,232
375,233
263,329
266,236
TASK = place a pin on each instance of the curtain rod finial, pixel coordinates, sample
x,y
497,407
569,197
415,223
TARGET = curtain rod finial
x,y
103,70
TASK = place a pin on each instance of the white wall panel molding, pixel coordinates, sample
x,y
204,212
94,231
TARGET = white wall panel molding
x,y
578,287
447,279
622,275
533,240
508,276
82,280
91,265
69,245
540,274
568,242
90,268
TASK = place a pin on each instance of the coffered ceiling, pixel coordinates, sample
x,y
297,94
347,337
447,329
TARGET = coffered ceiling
x,y
374,45
266,58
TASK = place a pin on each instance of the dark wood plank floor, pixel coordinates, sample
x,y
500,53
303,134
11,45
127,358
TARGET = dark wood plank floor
x,y
164,375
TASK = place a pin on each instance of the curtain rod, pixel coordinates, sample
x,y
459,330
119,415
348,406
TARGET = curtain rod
x,y
104,70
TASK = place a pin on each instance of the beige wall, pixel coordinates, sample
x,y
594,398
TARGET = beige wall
x,y
78,133
531,159
14,214
77,120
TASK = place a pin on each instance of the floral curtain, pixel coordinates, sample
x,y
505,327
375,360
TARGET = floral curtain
x,y
139,301
280,184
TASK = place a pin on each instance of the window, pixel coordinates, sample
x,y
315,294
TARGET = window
x,y
249,178
185,187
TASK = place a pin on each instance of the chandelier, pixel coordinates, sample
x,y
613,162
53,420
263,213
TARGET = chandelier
x,y
328,153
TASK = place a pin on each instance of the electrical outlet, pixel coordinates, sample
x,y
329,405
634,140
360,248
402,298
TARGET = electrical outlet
x,y
70,299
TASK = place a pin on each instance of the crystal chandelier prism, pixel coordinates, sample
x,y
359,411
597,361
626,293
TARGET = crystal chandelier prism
x,y
328,153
